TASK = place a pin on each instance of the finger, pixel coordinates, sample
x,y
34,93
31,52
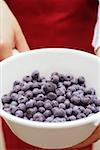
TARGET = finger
x,y
20,41
5,50
93,138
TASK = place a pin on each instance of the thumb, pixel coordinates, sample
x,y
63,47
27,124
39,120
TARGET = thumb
x,y
20,41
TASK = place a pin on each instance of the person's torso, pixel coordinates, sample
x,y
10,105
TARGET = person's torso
x,y
57,23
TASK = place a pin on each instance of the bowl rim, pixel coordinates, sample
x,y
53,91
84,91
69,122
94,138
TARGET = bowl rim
x,y
91,119
95,119
50,50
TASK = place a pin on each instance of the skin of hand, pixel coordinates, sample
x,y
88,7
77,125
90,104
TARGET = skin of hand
x,y
11,35
98,52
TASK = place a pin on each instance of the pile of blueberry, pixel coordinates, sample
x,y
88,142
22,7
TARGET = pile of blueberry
x,y
59,98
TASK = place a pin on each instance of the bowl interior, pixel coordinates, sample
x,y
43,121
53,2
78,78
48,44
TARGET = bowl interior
x,y
65,61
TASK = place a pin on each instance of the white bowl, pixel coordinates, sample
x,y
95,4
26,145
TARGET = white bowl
x,y
51,135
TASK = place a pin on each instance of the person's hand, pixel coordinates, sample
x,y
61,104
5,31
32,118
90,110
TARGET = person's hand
x,y
98,52
11,35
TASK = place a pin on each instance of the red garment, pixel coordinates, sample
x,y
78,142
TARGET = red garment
x,y
57,23
53,23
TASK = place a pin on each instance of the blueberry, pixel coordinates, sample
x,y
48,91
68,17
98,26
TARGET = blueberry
x,y
47,113
34,109
48,101
36,91
92,108
72,118
81,115
97,102
30,112
22,107
19,113
55,78
25,118
57,119
48,106
30,84
29,94
60,91
40,103
55,103
5,99
81,108
55,73
63,119
41,109
22,99
78,93
61,77
7,109
68,77
49,87
38,117
41,79
54,109
62,105
30,103
69,111
71,88
68,94
87,111
77,87
51,96
67,84
40,97
59,112
14,96
67,103
36,85
6,105
60,84
25,87
31,119
61,99
16,83
27,78
35,75
76,110
71,105
81,80
75,100
34,102
90,91
13,103
13,109
81,88
91,98
17,88
98,108
74,81
50,119
21,93
85,101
